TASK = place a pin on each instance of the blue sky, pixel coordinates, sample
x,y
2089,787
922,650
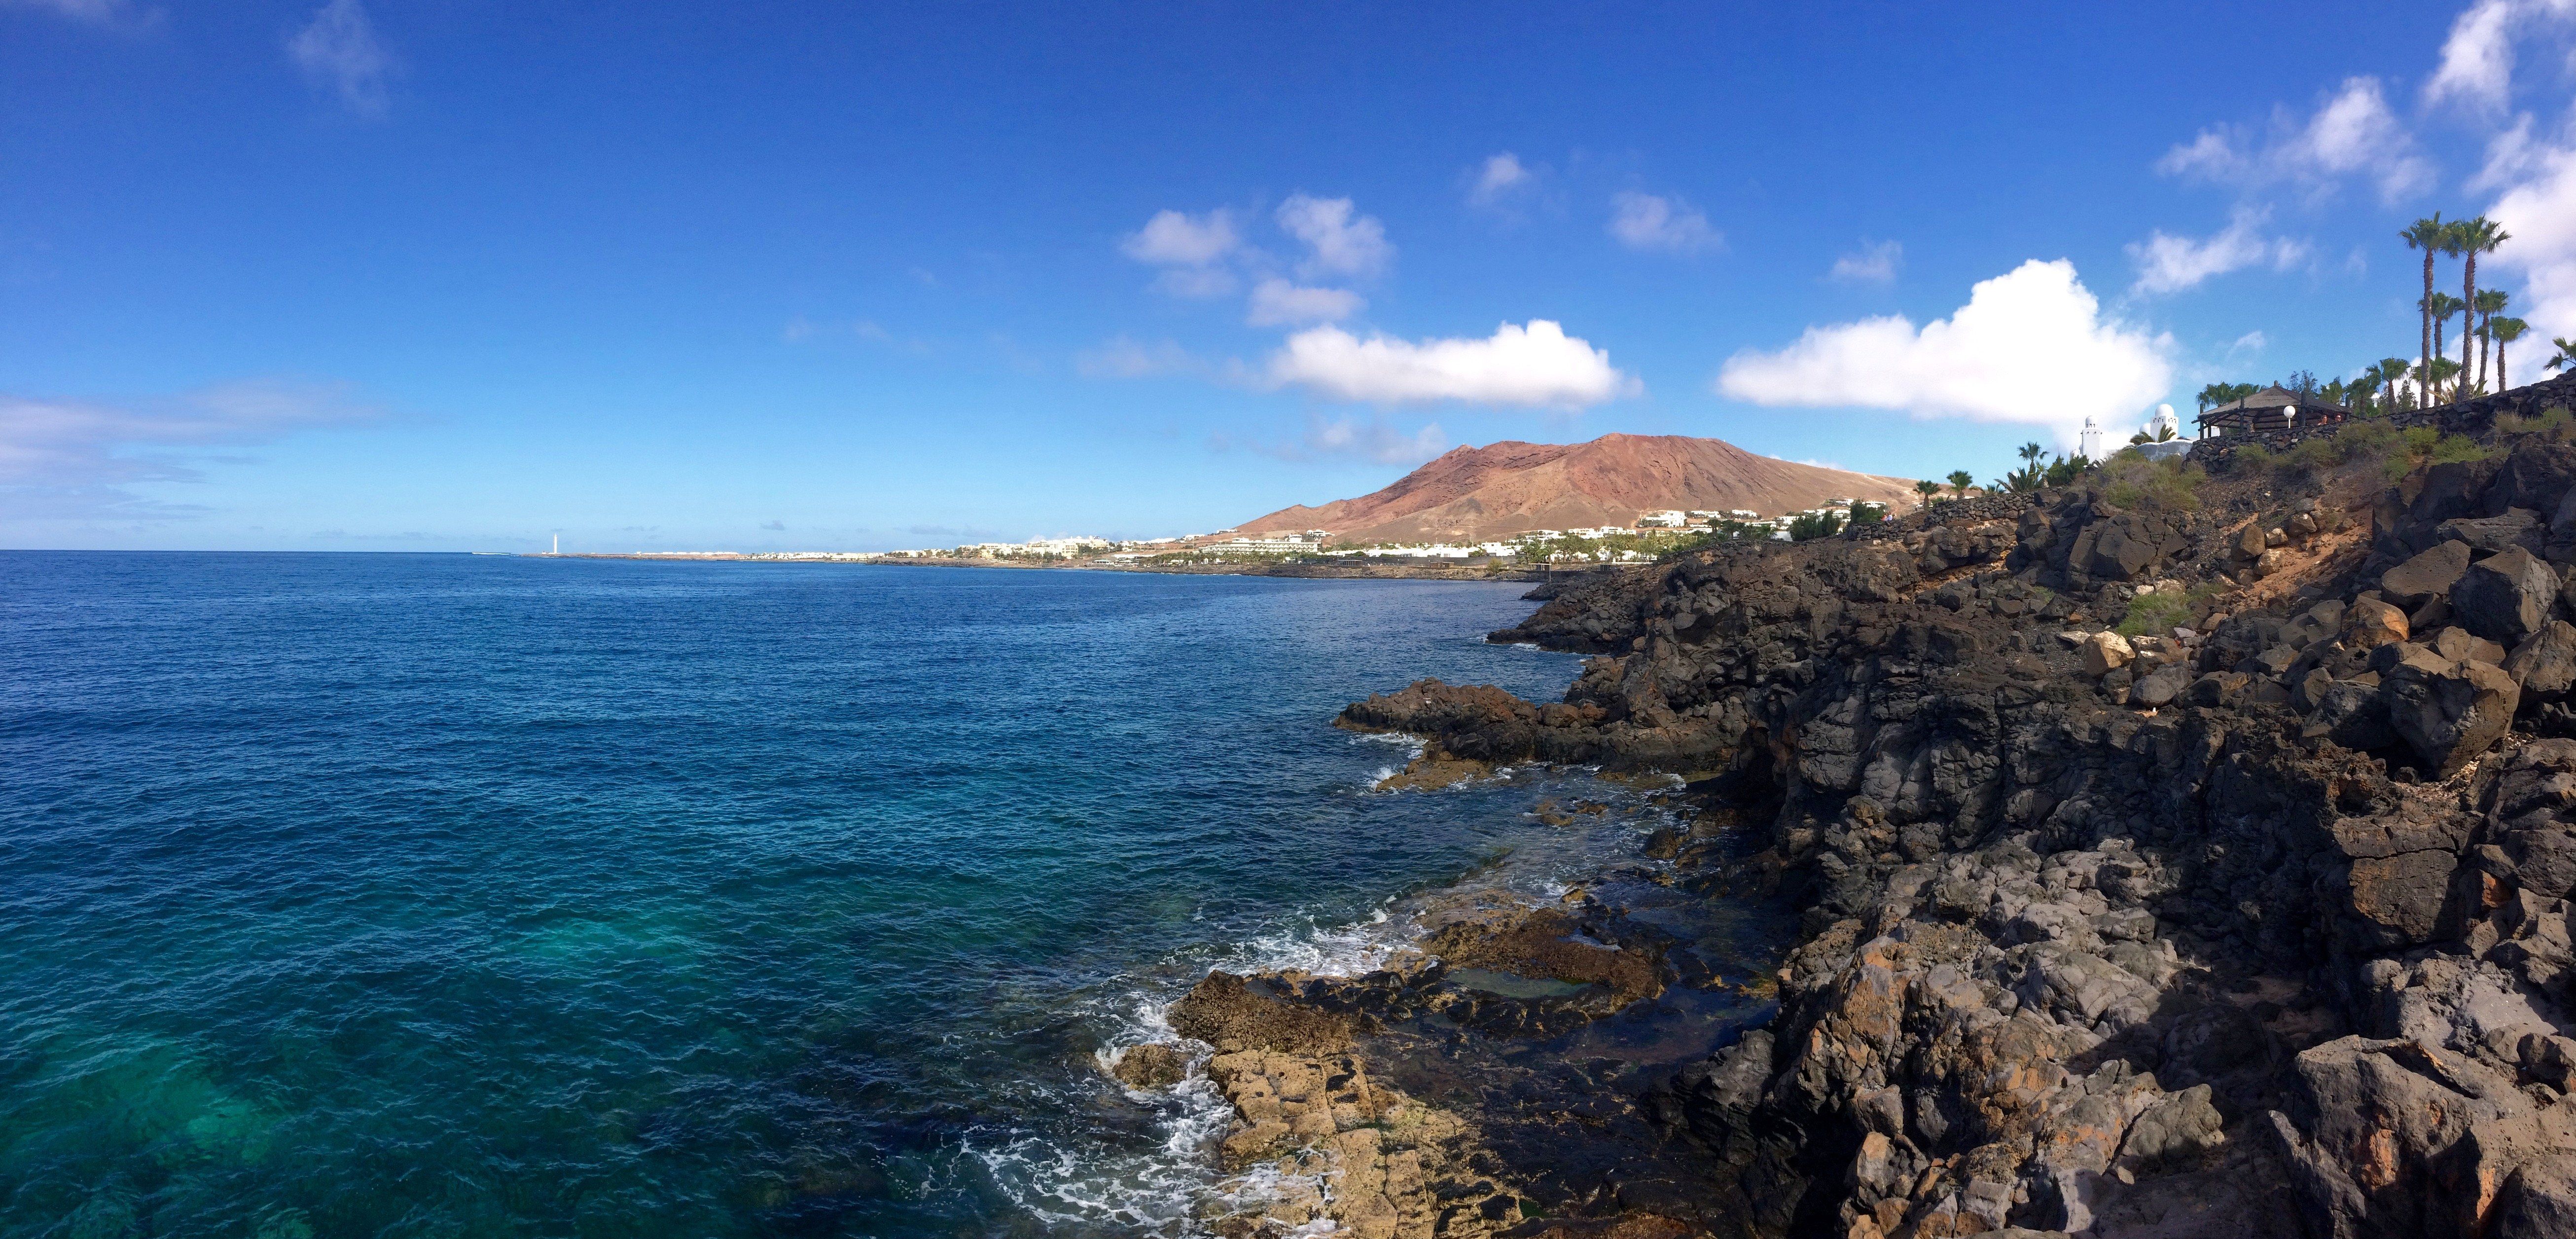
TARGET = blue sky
x,y
386,274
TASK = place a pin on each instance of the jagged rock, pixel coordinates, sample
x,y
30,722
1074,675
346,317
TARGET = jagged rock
x,y
1235,1014
2425,577
2545,664
2355,716
2249,541
2518,527
2449,712
2105,652
1151,1065
2370,623
2505,597
2160,687
2459,645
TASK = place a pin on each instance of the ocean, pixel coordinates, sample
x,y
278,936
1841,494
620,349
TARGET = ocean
x,y
448,895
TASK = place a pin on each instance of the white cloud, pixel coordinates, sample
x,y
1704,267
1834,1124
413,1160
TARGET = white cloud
x,y
1125,358
2352,133
1176,238
1342,241
2250,342
1534,366
2030,346
2169,264
2511,155
1651,222
64,457
1498,178
1875,263
1276,302
2477,59
338,50
2539,210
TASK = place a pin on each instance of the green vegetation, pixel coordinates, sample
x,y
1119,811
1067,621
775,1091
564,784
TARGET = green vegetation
x,y
2161,612
2133,481
1960,481
1807,526
1867,513
2553,423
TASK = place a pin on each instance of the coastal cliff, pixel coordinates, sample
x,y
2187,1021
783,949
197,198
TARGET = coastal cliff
x,y
2171,855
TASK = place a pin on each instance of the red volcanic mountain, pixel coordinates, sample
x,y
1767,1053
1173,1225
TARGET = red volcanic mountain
x,y
1509,488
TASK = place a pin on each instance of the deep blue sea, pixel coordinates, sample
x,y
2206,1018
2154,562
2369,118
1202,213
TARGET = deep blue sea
x,y
478,896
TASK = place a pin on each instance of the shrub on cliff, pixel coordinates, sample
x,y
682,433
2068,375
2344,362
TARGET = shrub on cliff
x,y
2425,445
2144,485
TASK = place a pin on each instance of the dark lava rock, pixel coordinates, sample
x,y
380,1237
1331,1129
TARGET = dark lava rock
x,y
2505,597
2449,712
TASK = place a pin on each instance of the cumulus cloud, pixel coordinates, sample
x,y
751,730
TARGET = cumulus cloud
x,y
1534,366
1499,177
2168,264
2477,58
338,50
2539,209
74,458
1276,302
1643,221
1179,239
2030,346
1339,240
2351,134
1871,264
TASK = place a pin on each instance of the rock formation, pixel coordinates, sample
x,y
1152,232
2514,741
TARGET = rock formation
x,y
2253,921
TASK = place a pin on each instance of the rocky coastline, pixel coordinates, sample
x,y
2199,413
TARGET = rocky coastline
x,y
2167,855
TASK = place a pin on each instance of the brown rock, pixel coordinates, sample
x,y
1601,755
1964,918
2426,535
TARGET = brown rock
x,y
2370,623
2425,577
1234,1014
2105,652
1150,1066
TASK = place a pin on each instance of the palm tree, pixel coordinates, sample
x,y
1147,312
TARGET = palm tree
x,y
2473,237
2505,331
2392,371
2442,307
1961,480
2428,235
1927,488
2490,302
2566,356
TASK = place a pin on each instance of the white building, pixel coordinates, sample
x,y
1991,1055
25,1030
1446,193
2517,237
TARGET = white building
x,y
2164,420
2088,441
1667,519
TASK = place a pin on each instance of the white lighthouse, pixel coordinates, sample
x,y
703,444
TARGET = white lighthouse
x,y
2088,442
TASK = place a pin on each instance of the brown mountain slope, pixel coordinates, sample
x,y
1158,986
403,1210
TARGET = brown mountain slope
x,y
1510,488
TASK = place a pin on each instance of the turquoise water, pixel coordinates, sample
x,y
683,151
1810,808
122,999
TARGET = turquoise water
x,y
444,895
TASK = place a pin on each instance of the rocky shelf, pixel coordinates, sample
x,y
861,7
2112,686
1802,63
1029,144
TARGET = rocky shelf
x,y
2180,861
